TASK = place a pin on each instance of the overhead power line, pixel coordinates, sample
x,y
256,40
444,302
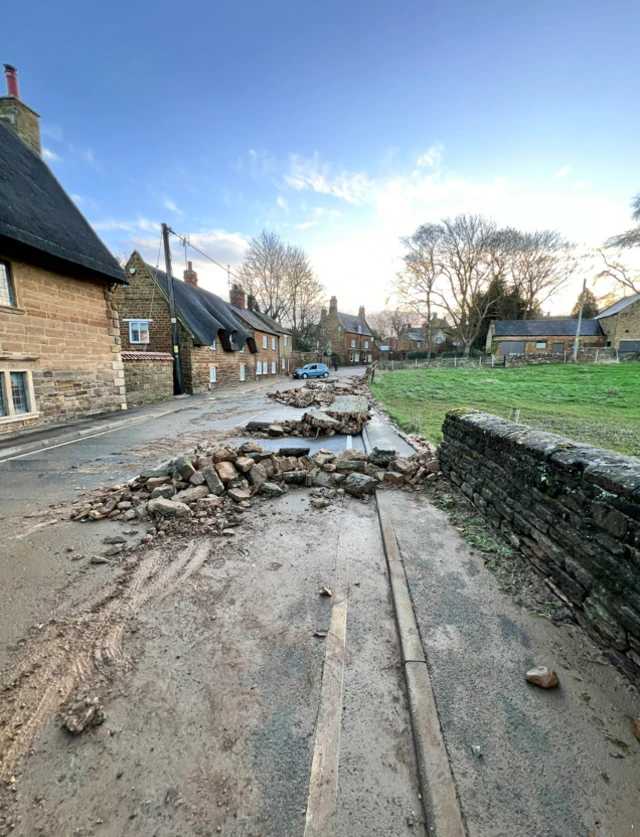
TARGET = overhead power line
x,y
184,240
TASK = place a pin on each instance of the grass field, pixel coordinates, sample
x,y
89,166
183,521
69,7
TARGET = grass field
x,y
595,404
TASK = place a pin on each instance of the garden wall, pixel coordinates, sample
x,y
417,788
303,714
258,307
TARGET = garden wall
x,y
573,510
148,377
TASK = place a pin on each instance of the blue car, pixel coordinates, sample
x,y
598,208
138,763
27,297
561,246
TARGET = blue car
x,y
312,370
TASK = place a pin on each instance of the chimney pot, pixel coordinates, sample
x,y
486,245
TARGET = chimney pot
x,y
333,305
361,312
190,276
11,75
237,297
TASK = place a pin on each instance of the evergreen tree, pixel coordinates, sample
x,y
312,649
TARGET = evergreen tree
x,y
590,306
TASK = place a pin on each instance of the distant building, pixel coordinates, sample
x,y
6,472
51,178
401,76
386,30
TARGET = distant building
x,y
552,336
347,335
412,339
272,339
620,323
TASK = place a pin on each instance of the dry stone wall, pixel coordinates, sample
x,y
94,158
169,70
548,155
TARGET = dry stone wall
x,y
573,510
148,377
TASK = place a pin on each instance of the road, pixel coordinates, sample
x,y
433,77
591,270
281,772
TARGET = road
x,y
222,693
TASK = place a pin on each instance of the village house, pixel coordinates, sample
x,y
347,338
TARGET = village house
x,y
273,341
620,323
413,339
347,336
548,336
59,331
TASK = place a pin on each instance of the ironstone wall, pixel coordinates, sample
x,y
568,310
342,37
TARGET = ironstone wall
x,y
572,509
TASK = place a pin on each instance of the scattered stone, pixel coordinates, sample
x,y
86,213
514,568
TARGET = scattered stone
x,y
226,471
114,550
270,489
542,676
197,478
275,430
297,452
359,485
433,467
228,531
382,458
477,752
250,447
213,481
85,713
325,591
190,495
393,478
169,508
184,467
258,474
166,491
244,464
114,539
98,559
239,494
319,503
320,634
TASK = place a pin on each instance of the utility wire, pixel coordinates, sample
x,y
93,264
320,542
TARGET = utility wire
x,y
184,240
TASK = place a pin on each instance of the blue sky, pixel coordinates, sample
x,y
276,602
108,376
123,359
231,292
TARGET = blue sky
x,y
342,125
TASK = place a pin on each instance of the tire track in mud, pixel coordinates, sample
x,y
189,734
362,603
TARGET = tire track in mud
x,y
82,637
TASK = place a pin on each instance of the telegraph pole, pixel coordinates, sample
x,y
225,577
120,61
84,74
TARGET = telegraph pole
x,y
178,382
576,342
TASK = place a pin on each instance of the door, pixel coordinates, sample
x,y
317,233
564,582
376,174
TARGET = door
x,y
511,347
557,349
356,357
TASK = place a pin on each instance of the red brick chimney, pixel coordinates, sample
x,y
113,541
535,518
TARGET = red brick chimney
x,y
333,306
251,302
361,312
18,117
191,276
237,297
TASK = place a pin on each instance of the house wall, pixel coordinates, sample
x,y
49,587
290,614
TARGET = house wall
x,y
622,326
268,355
66,333
531,347
143,299
571,509
341,341
148,377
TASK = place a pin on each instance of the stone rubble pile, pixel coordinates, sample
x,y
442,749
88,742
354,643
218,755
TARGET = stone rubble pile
x,y
321,392
214,486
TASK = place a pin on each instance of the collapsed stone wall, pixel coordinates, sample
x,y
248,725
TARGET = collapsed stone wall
x,y
572,509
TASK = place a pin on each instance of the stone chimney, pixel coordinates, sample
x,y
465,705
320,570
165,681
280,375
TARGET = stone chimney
x,y
361,312
333,306
252,305
190,276
18,117
237,297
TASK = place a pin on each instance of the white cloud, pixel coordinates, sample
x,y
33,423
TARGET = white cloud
x,y
53,131
171,206
310,173
77,199
305,225
49,155
562,173
431,158
282,203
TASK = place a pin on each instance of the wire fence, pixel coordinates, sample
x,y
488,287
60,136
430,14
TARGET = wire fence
x,y
601,355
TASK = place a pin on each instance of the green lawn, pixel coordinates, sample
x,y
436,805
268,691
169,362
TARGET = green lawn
x,y
595,404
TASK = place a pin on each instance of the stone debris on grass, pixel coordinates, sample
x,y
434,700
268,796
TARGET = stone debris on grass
x,y
543,676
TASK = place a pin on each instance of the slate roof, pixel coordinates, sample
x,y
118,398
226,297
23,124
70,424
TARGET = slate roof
x,y
618,306
546,328
253,319
39,221
274,324
204,313
418,336
350,323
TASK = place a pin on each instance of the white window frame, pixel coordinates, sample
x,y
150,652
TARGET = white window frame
x,y
137,323
366,344
359,329
541,344
258,367
5,375
283,363
243,371
286,339
274,367
356,357
213,374
353,344
213,345
273,344
265,341
242,349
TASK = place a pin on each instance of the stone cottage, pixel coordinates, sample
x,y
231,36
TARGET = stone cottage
x,y
59,331
273,341
548,336
347,336
621,324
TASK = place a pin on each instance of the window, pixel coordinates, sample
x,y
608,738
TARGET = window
x,y
139,331
366,347
242,350
283,364
274,368
353,344
339,329
273,343
243,371
366,344
16,394
370,357
259,367
213,374
438,340
7,291
359,329
542,344
213,346
265,342
356,357
286,339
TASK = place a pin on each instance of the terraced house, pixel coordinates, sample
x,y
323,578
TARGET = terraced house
x,y
274,342
220,343
59,332
347,336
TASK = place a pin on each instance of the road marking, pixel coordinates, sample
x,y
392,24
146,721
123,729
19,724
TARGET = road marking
x,y
349,443
323,783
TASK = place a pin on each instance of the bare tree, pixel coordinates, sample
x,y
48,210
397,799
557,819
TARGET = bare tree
x,y
539,265
626,279
282,280
391,322
630,238
415,286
